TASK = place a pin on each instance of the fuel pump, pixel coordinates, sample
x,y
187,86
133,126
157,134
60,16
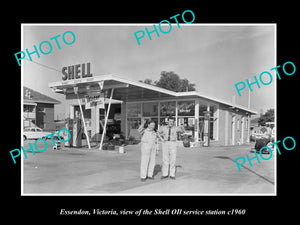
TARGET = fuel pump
x,y
206,128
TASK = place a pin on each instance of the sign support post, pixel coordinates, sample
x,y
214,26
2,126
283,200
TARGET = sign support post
x,y
106,118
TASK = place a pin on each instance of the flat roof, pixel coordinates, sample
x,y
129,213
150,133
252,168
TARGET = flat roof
x,y
126,89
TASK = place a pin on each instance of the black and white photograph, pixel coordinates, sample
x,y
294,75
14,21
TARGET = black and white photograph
x,y
176,108
149,113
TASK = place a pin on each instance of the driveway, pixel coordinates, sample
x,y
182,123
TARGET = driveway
x,y
200,171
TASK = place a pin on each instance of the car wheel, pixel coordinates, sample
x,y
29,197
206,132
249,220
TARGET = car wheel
x,y
24,138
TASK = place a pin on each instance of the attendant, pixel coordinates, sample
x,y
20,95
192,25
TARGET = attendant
x,y
148,150
169,147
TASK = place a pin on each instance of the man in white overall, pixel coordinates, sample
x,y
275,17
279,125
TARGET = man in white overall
x,y
169,147
148,150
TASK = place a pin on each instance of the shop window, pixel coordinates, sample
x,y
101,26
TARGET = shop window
x,y
203,108
186,108
167,109
132,127
188,123
162,121
134,114
134,110
134,123
150,109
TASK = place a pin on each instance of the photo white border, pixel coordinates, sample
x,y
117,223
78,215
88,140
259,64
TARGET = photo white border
x,y
149,24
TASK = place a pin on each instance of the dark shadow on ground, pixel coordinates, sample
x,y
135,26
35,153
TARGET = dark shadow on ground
x,y
226,157
158,168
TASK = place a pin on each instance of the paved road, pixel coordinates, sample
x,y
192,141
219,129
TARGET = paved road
x,y
200,171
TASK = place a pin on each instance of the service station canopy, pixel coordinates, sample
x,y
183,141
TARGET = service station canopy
x,y
124,89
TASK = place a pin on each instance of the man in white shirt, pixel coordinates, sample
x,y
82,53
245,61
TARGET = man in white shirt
x,y
169,147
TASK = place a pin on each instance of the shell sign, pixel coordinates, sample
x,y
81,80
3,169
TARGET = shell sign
x,y
76,71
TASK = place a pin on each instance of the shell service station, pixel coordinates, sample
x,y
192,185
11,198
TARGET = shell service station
x,y
105,105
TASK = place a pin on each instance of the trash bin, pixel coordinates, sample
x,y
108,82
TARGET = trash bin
x,y
121,149
186,143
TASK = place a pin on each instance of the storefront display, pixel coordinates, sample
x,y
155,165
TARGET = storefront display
x,y
186,108
167,109
134,110
150,109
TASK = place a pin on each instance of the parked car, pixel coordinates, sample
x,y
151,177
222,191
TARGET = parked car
x,y
34,133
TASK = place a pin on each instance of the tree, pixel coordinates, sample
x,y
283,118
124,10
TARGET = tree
x,y
267,117
185,85
172,81
169,80
148,81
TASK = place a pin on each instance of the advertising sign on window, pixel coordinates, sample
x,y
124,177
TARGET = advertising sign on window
x,y
186,108
91,100
167,108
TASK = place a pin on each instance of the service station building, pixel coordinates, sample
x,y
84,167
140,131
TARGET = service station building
x,y
116,104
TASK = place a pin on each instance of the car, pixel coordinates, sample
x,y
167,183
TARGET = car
x,y
35,133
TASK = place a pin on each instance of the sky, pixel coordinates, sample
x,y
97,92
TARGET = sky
x,y
213,56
